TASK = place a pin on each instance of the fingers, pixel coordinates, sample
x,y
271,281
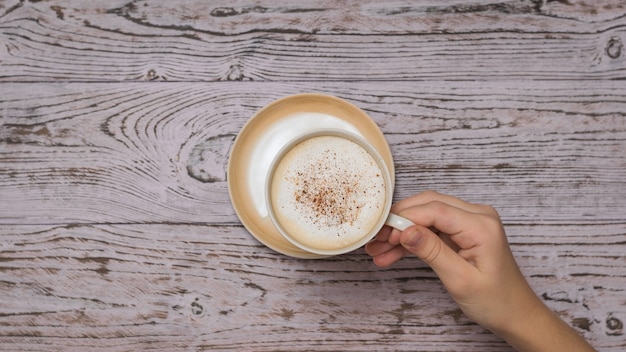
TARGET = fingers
x,y
427,197
384,233
449,266
383,252
432,196
466,229
390,257
376,247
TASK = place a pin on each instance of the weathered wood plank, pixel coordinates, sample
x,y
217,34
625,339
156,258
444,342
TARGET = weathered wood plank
x,y
545,152
199,287
193,40
116,231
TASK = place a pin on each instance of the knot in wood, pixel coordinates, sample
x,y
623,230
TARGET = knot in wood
x,y
614,325
152,75
614,48
196,308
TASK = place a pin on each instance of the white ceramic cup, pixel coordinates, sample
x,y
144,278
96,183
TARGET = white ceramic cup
x,y
384,217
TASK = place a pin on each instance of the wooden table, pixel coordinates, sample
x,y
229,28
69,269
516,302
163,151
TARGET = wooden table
x,y
116,122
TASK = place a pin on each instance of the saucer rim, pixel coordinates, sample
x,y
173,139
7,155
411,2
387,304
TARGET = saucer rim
x,y
255,223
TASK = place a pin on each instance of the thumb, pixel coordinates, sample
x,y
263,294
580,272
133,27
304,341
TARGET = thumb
x,y
427,246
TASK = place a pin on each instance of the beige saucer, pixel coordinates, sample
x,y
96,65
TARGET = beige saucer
x,y
269,130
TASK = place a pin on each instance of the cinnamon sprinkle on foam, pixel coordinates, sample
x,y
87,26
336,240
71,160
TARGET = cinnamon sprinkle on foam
x,y
332,192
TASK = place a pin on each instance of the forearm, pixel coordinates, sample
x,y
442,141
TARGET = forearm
x,y
542,330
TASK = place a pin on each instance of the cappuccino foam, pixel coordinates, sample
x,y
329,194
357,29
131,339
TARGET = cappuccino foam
x,y
328,192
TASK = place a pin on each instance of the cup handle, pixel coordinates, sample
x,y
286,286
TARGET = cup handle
x,y
398,222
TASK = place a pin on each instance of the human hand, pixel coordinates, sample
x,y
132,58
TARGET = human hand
x,y
471,255
465,244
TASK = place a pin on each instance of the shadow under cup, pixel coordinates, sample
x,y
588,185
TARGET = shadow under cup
x,y
327,220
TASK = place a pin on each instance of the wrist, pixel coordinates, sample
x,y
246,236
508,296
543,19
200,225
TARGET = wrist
x,y
537,328
520,329
519,321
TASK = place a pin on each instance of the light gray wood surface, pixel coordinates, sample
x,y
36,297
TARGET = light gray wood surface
x,y
117,119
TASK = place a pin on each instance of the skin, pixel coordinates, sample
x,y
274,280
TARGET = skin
x,y
465,244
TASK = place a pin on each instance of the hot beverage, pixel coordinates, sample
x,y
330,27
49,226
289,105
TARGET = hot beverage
x,y
328,192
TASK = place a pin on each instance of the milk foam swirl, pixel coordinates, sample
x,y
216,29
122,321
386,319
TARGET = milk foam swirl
x,y
328,192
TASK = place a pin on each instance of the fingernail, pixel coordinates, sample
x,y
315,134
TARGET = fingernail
x,y
413,238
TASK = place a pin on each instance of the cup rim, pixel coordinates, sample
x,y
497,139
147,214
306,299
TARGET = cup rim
x,y
362,142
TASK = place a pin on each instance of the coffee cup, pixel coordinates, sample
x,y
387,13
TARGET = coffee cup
x,y
329,192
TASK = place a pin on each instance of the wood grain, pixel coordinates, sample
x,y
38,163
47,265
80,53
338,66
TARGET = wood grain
x,y
199,287
324,40
544,152
116,123
548,155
